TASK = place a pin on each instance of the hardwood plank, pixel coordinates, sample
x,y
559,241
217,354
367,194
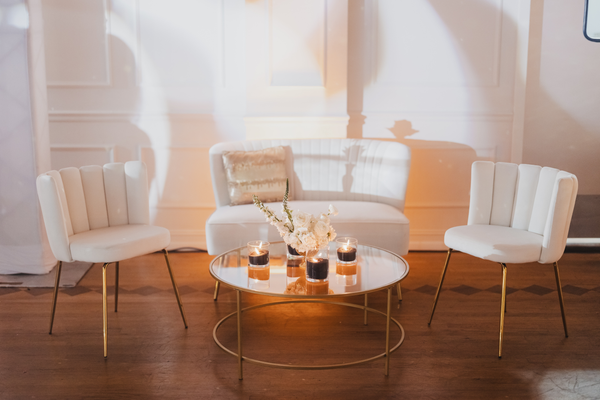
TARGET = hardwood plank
x,y
152,356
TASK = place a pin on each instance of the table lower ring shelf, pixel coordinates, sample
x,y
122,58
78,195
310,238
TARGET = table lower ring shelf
x,y
308,367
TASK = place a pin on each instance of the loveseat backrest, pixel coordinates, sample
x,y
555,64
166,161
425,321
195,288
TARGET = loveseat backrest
x,y
526,197
330,169
76,200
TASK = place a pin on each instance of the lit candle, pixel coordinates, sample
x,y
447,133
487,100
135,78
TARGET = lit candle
x,y
346,253
258,255
317,268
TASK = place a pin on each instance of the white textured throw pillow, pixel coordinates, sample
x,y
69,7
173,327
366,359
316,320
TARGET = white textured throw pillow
x,y
260,172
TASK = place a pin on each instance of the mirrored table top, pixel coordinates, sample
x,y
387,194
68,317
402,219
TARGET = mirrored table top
x,y
374,270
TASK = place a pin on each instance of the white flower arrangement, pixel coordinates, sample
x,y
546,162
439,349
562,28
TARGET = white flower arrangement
x,y
302,231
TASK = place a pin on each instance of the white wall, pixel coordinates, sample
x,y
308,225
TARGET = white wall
x,y
563,95
163,81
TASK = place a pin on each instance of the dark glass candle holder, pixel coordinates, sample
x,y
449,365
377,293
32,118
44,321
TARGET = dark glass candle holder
x,y
347,248
258,253
317,266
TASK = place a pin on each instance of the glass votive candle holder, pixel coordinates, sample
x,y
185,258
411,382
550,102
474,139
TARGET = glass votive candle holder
x,y
293,253
258,253
259,271
346,250
317,266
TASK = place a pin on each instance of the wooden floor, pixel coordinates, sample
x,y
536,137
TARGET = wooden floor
x,y
152,356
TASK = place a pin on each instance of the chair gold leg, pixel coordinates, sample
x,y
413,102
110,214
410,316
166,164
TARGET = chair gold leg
x,y
439,289
175,288
217,285
502,309
399,289
56,283
104,310
560,298
116,286
502,268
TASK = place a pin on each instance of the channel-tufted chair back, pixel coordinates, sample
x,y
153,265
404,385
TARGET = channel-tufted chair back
x,y
526,197
92,197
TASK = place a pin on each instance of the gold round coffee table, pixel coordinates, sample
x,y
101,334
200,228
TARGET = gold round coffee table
x,y
376,269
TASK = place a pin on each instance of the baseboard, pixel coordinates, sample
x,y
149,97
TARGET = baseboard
x,y
186,238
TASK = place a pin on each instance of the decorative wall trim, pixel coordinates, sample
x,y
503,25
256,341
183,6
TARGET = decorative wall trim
x,y
220,37
292,120
440,117
185,206
107,60
259,128
372,27
110,116
295,79
110,150
81,155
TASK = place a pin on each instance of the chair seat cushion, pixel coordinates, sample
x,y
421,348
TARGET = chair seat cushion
x,y
371,223
495,243
117,243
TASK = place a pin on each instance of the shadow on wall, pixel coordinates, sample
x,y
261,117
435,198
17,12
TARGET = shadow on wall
x,y
443,167
175,120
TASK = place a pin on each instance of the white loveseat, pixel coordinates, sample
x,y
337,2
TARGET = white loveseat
x,y
365,179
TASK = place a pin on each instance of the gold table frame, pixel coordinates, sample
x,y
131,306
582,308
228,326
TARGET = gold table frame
x,y
366,309
309,299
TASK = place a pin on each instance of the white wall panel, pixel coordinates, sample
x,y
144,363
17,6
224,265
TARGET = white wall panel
x,y
180,43
77,42
416,47
77,156
297,42
181,196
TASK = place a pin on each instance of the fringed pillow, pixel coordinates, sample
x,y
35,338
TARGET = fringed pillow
x,y
260,172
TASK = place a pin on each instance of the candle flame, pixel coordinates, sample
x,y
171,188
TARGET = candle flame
x,y
346,246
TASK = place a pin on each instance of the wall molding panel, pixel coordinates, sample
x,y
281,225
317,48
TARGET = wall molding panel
x,y
57,14
297,42
258,128
68,155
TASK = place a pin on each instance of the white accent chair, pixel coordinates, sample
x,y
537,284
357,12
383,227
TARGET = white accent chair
x,y
100,215
365,179
517,214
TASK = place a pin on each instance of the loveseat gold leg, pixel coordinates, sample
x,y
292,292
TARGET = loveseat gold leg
x,y
439,289
175,289
217,285
502,310
56,283
560,298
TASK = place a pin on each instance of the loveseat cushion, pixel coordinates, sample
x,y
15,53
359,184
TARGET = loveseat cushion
x,y
371,223
495,243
